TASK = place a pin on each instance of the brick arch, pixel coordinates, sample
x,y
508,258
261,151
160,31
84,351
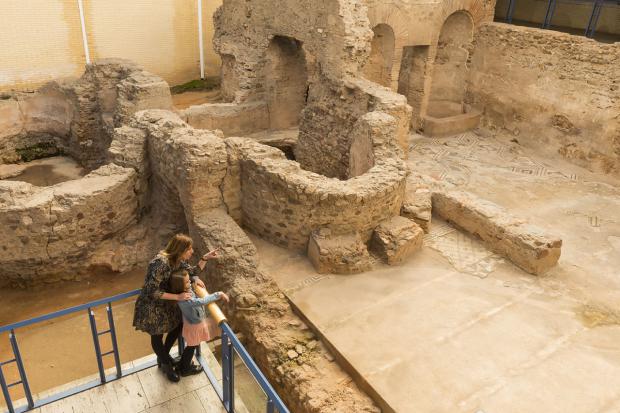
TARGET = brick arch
x,y
396,17
480,11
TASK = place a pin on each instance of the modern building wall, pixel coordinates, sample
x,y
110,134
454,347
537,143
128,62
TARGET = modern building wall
x,y
41,40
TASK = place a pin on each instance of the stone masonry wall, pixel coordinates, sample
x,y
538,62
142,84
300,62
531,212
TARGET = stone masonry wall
x,y
284,203
551,91
77,116
51,232
203,172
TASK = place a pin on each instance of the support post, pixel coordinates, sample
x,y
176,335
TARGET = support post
x,y
84,35
200,41
593,21
549,14
5,392
228,373
510,11
93,329
21,369
117,357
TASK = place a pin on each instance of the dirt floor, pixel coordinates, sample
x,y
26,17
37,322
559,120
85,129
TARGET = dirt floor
x,y
43,172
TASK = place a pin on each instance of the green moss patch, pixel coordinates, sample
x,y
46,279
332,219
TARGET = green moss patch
x,y
38,151
209,83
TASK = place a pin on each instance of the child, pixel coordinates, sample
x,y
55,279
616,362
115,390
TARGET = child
x,y
196,327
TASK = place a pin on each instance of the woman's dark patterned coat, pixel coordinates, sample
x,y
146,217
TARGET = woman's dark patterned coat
x,y
153,314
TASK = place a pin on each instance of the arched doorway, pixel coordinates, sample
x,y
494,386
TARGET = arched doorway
x,y
379,66
450,68
286,82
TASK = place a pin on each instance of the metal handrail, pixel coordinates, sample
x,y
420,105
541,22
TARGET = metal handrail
x,y
229,341
69,310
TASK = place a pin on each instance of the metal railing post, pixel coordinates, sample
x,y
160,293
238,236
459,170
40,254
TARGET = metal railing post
x,y
549,14
270,406
510,11
93,329
5,391
228,373
20,368
117,357
593,21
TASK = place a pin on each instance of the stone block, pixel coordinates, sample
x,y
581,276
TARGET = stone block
x,y
529,247
338,254
417,207
396,239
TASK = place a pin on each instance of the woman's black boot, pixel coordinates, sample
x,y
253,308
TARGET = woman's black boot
x,y
170,372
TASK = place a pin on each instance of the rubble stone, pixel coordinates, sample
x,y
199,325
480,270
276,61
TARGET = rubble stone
x,y
338,254
417,206
396,239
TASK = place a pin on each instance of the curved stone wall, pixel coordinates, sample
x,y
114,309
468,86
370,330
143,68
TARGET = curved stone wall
x,y
51,232
284,203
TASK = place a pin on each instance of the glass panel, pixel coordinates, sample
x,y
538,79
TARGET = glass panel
x,y
249,396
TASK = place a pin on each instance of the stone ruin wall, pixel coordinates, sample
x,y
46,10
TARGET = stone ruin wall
x,y
416,28
550,91
62,231
77,116
198,166
332,39
283,203
50,233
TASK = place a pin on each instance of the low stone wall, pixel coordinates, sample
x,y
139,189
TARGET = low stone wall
x,y
295,361
283,203
232,119
528,246
51,232
550,91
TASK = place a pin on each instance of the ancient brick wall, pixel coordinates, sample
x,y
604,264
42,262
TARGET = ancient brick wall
x,y
550,91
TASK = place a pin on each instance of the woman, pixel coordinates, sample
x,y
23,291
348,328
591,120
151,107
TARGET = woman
x,y
156,311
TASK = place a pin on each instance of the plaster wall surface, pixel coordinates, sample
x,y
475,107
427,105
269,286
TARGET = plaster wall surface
x,y
160,36
551,91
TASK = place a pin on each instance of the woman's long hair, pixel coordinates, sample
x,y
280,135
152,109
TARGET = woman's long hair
x,y
175,248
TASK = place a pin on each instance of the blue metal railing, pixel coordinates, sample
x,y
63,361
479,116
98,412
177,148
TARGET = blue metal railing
x,y
230,346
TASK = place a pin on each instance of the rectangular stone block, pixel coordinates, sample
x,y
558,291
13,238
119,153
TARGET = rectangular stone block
x,y
529,247
396,239
417,207
338,254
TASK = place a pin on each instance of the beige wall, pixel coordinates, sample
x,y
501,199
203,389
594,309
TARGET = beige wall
x,y
42,39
